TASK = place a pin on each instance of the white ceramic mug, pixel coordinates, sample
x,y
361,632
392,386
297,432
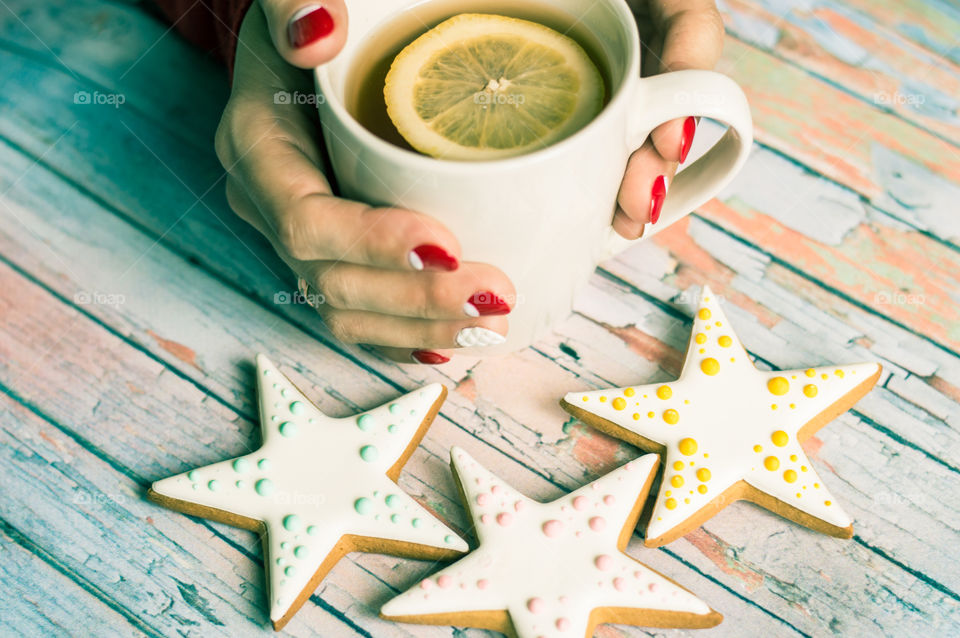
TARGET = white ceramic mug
x,y
543,218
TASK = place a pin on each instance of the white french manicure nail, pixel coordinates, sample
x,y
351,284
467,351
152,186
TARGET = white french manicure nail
x,y
479,337
470,310
415,262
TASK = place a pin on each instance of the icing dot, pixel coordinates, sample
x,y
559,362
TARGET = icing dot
x,y
394,518
504,519
552,528
312,529
281,560
300,551
603,399
291,523
778,386
816,486
392,500
702,489
772,463
562,624
803,468
363,505
580,503
810,390
758,448
394,408
240,484
519,505
636,416
495,489
416,522
703,474
827,503
688,447
213,485
609,499
619,583
629,392
650,414
790,476
485,518
263,464
290,570
824,376
288,428
192,475
780,438
483,583
619,403
671,503
296,408
241,465
725,341
444,581
597,523
773,406
264,487
369,453
664,392
391,428
536,605
704,314
810,372
701,338
603,562
839,373
671,416
586,398
710,366
426,584
678,465
284,545
448,539
677,481
364,422
793,457
483,499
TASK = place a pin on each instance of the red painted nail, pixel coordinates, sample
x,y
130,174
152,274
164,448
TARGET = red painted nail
x,y
485,304
686,140
430,257
429,357
308,25
657,195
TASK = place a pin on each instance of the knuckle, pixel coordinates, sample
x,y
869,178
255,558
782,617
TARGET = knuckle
x,y
337,287
293,237
341,327
440,293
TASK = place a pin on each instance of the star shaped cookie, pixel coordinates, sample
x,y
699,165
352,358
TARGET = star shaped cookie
x,y
553,569
319,487
730,431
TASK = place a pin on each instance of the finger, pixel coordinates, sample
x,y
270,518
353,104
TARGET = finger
x,y
308,223
306,33
421,357
356,326
692,32
643,191
475,290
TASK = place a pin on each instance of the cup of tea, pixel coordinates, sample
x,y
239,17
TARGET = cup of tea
x,y
544,217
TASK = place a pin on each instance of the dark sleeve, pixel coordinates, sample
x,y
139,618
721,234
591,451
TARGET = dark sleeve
x,y
212,25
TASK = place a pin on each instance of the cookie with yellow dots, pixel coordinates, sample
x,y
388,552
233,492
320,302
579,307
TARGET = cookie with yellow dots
x,y
730,432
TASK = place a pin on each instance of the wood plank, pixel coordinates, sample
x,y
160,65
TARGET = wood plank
x,y
931,23
38,600
827,129
83,349
855,54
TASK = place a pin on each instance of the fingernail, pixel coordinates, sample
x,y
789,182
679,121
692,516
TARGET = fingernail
x,y
432,257
485,304
308,25
306,291
657,195
479,337
686,140
429,357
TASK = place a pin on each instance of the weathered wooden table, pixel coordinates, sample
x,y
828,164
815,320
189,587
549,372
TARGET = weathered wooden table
x,y
132,302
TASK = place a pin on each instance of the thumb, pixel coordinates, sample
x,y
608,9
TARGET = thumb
x,y
306,33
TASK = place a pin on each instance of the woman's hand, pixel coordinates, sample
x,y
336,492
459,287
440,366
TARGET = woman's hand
x,y
381,276
675,35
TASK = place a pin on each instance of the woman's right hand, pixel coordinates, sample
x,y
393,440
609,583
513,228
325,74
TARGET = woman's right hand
x,y
387,277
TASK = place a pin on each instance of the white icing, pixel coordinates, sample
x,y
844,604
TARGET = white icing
x,y
727,414
479,337
313,464
540,579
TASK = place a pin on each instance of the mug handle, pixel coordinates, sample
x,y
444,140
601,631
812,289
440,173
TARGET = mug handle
x,y
661,98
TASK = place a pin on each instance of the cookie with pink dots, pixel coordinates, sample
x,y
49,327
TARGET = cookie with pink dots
x,y
319,488
551,570
730,431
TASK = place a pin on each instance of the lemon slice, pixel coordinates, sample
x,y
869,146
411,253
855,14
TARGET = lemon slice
x,y
483,87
